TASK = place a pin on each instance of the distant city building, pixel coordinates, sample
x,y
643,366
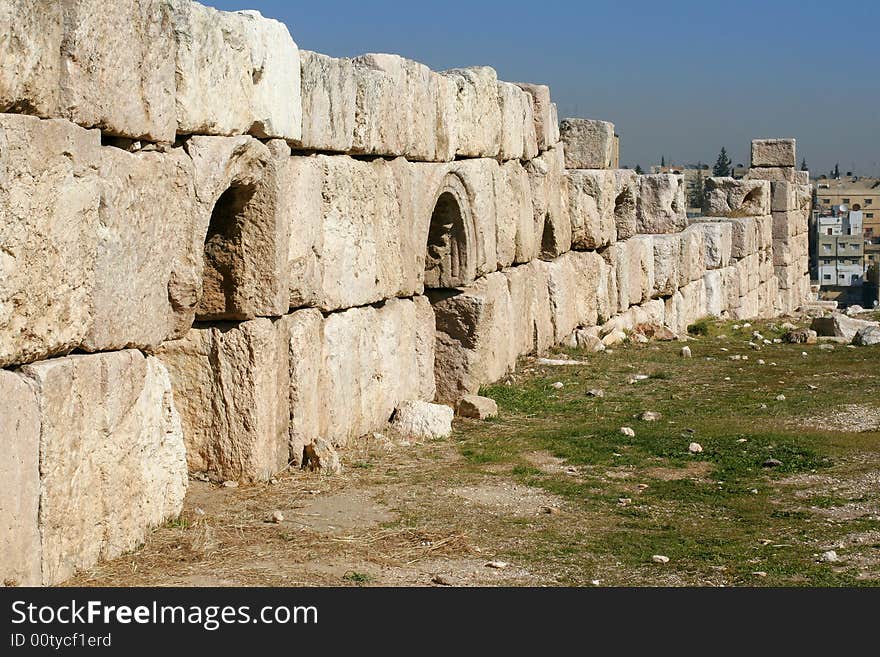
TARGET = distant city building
x,y
860,194
840,248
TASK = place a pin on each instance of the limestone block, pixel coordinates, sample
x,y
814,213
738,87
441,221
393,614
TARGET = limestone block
x,y
643,281
606,292
716,297
675,314
764,227
774,152
303,330
749,306
474,345
477,111
50,197
600,204
694,302
786,225
112,461
718,240
517,238
231,384
372,360
661,206
234,266
745,234
518,139
403,108
784,196
693,255
573,296
531,316
354,237
544,114
423,420
97,65
477,408
237,73
329,97
150,229
588,144
546,176
730,280
727,197
667,263
20,554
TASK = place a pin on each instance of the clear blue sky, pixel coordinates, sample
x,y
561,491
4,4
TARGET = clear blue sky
x,y
679,78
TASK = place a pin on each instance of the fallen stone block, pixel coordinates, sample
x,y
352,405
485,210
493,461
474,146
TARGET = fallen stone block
x,y
419,419
867,336
477,408
319,455
236,73
112,459
588,144
774,153
841,326
661,206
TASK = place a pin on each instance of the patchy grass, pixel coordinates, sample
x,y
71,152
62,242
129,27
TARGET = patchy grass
x,y
740,516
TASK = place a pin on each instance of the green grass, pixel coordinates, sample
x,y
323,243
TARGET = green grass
x,y
713,518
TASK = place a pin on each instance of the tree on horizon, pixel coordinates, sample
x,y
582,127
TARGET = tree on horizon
x,y
639,169
722,164
804,165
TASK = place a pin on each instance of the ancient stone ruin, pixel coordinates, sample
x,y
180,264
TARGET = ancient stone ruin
x,y
219,253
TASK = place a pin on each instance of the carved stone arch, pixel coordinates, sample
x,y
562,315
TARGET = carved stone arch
x,y
451,252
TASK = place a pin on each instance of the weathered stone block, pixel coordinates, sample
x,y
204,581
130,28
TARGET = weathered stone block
x,y
423,420
727,197
97,65
50,198
473,341
573,293
667,263
112,461
661,206
20,550
329,99
531,317
693,255
304,333
404,108
716,297
477,111
546,176
774,153
231,384
544,114
600,204
588,144
236,73
518,139
718,240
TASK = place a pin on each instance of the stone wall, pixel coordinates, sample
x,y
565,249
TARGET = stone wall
x,y
217,250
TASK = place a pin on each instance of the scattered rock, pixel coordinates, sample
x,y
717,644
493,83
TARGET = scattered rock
x,y
654,332
559,362
596,392
478,408
627,431
761,362
441,580
788,326
276,517
651,416
623,501
550,510
812,387
559,385
829,557
867,337
498,565
855,309
660,558
420,419
759,573
685,352
230,484
825,347
320,455
780,397
841,326
801,336
695,448
772,463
